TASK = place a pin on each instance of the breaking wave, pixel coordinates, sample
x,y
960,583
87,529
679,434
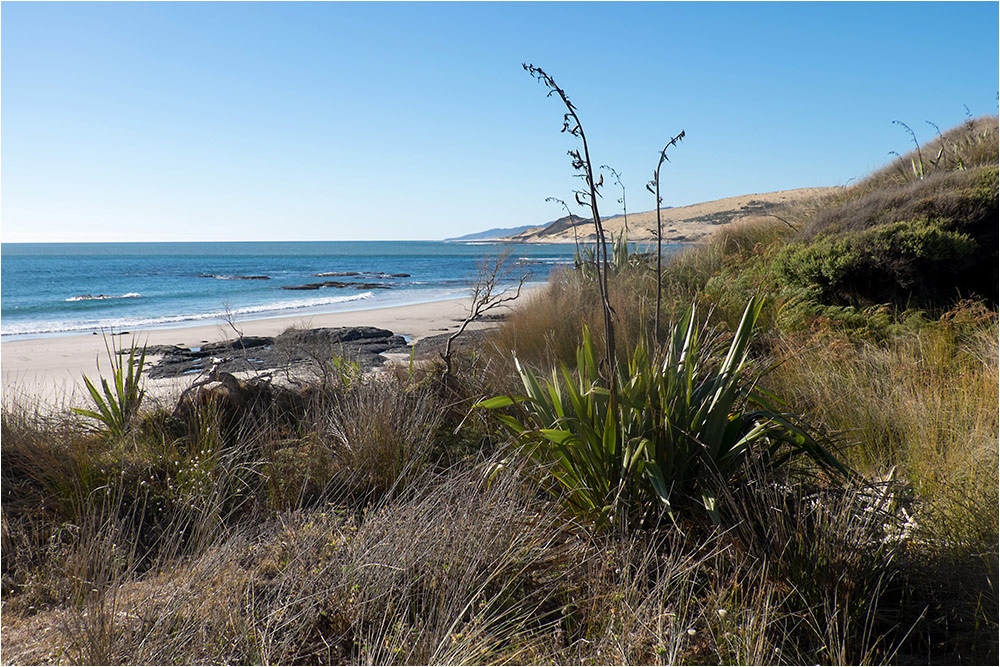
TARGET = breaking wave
x,y
104,297
61,327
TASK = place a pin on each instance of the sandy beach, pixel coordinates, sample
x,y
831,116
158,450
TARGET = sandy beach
x,y
48,372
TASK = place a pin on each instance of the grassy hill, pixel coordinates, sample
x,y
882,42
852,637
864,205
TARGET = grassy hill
x,y
921,231
810,480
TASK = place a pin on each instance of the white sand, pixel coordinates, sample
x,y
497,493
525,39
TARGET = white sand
x,y
49,371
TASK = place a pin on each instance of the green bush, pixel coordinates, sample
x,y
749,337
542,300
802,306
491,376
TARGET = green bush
x,y
899,262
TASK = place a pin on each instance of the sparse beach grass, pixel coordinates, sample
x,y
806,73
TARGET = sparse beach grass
x,y
383,519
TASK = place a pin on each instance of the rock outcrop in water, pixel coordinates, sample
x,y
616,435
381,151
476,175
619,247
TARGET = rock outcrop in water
x,y
218,277
337,284
368,274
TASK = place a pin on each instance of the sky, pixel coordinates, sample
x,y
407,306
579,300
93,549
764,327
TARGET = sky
x,y
198,121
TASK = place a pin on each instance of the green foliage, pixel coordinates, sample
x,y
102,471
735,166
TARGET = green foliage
x,y
347,372
893,262
585,259
985,191
670,430
119,404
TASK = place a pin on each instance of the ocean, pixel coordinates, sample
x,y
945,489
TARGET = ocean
x,y
53,289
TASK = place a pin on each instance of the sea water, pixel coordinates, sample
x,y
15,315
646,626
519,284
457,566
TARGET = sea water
x,y
52,289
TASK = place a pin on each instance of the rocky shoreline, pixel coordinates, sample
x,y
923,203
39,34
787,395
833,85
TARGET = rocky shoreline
x,y
293,348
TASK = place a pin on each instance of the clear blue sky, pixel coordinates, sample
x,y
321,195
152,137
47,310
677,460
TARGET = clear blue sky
x,y
338,121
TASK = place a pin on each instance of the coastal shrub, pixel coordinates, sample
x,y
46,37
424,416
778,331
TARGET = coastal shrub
x,y
921,260
118,404
669,432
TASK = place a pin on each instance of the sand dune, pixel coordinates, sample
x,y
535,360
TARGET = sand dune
x,y
683,224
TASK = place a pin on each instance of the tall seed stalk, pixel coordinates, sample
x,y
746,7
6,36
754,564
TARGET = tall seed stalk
x,y
569,214
618,180
918,166
654,187
586,198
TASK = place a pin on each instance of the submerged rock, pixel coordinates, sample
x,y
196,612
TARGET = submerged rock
x,y
218,277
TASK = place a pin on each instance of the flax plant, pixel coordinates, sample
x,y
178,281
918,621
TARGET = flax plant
x,y
618,181
669,431
118,404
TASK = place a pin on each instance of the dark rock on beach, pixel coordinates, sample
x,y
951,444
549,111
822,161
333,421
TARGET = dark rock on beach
x,y
431,347
295,347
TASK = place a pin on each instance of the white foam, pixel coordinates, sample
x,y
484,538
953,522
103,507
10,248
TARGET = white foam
x,y
104,297
58,327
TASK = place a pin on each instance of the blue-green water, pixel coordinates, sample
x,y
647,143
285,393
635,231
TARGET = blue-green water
x,y
54,289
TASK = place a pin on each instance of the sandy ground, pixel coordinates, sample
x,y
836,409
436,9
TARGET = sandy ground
x,y
48,372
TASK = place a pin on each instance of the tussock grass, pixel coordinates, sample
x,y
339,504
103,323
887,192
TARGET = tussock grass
x,y
546,330
930,397
381,435
464,568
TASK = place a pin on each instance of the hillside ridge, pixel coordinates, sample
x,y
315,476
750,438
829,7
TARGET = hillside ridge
x,y
681,224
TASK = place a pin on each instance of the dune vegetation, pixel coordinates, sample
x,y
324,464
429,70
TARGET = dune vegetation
x,y
797,465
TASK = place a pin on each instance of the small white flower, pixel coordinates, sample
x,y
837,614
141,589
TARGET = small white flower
x,y
692,632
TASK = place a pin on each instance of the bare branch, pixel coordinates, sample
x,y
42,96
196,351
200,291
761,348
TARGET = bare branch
x,y
486,296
